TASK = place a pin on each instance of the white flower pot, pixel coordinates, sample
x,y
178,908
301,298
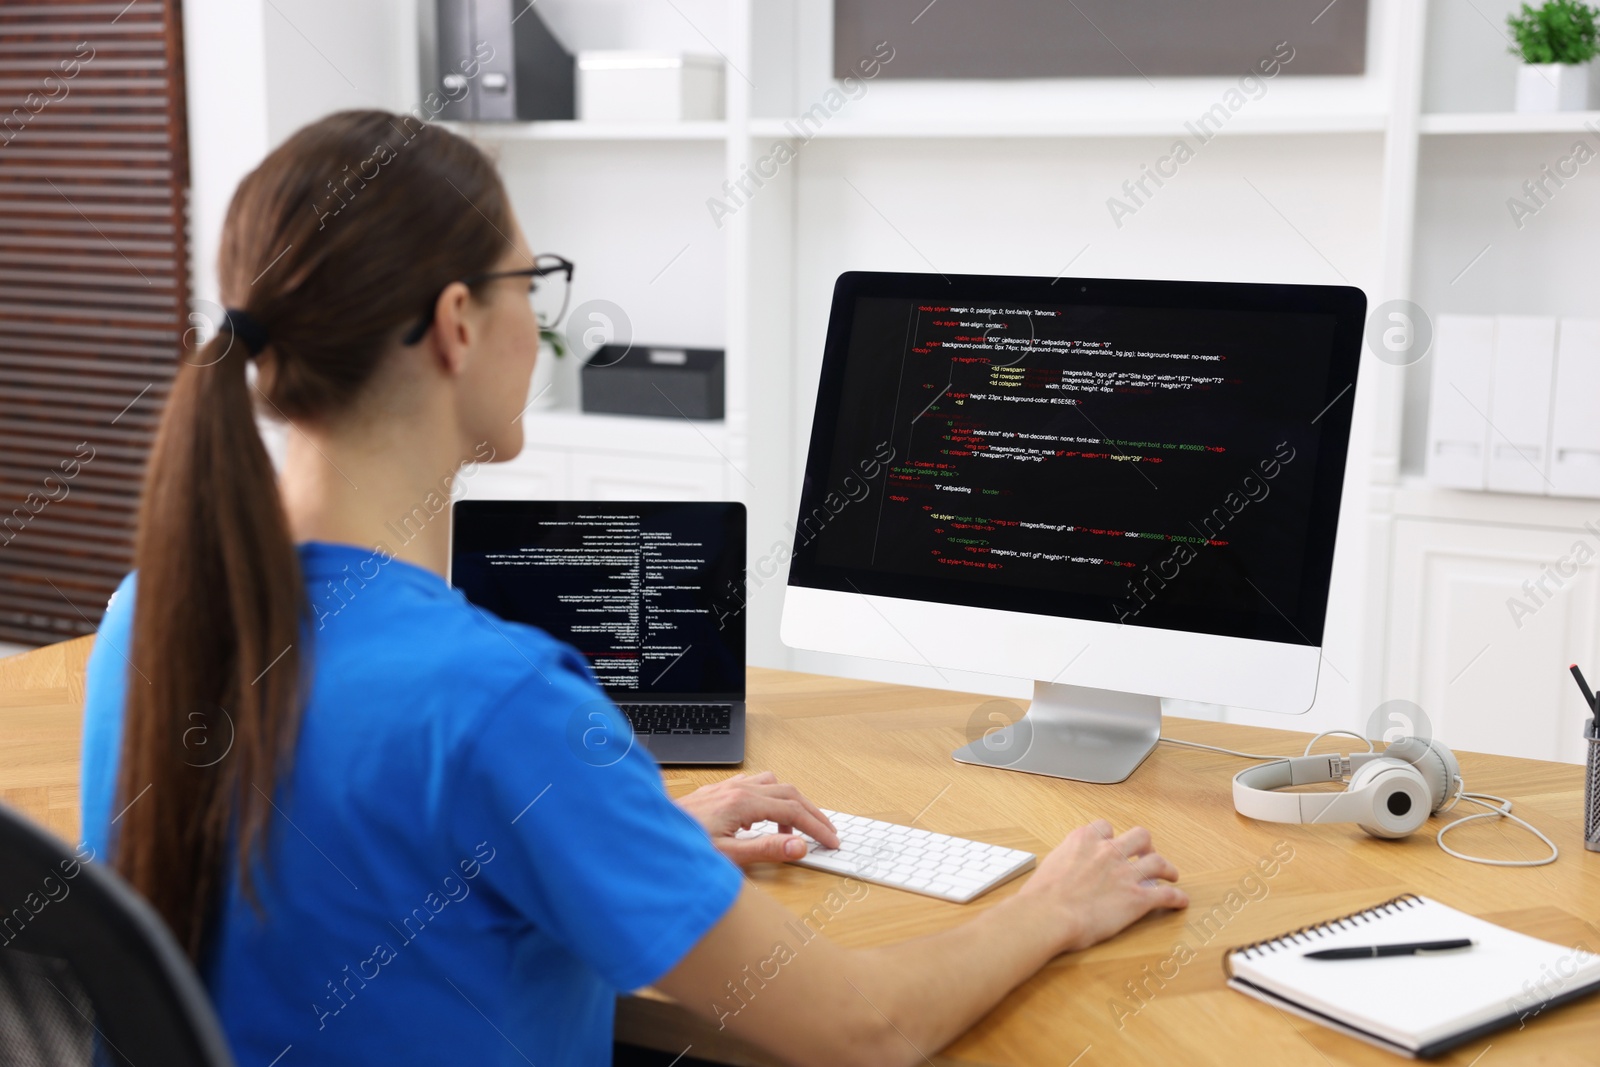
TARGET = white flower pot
x,y
1553,87
542,387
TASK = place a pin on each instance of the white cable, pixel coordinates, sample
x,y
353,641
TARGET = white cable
x,y
1500,809
1258,756
1214,748
1461,791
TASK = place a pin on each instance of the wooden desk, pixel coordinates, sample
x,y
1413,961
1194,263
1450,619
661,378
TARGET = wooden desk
x,y
41,723
884,751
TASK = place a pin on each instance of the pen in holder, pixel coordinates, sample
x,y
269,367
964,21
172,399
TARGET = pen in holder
x,y
1591,778
1591,791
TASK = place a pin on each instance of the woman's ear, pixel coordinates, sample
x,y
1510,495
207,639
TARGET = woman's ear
x,y
454,328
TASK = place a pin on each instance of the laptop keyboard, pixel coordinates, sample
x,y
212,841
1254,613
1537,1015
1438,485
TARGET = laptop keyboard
x,y
679,718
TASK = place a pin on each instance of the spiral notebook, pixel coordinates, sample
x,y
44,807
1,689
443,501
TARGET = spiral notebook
x,y
1418,1006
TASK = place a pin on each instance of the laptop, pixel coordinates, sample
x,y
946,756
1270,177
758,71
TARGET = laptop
x,y
652,594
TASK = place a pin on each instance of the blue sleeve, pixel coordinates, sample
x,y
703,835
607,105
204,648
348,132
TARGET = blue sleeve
x,y
105,690
586,843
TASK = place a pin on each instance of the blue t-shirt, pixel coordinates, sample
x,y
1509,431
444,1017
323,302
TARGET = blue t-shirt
x,y
467,862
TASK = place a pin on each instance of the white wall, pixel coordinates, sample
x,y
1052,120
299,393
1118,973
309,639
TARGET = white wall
x,y
258,70
226,70
327,56
634,224
680,26
1469,66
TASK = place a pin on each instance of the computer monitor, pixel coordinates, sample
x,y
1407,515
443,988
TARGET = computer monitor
x,y
1121,490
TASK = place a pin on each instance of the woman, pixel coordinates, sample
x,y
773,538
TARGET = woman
x,y
348,791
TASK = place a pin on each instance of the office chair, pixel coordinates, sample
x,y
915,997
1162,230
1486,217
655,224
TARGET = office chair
x,y
89,974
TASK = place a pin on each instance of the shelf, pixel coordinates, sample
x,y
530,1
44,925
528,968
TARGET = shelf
x,y
1068,126
591,131
1456,123
1467,122
1415,498
682,438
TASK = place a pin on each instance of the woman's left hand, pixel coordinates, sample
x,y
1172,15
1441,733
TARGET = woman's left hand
x,y
733,804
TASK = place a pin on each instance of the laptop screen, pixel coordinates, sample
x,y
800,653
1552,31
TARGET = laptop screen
x,y
652,594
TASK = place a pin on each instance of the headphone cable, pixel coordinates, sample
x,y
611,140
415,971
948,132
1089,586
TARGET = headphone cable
x,y
1500,808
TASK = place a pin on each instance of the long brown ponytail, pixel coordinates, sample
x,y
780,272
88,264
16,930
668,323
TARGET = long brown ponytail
x,y
334,245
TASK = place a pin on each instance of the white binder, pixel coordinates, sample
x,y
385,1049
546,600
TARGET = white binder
x,y
1458,409
1575,422
1519,403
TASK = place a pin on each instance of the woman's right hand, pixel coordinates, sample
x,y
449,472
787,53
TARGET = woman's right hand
x,y
1097,884
887,1004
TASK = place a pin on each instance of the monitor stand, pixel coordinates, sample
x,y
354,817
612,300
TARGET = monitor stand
x,y
1087,735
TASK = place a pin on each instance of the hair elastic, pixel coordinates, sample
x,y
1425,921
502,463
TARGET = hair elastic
x,y
244,326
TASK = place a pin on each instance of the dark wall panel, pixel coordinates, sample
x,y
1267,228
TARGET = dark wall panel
x,y
1098,38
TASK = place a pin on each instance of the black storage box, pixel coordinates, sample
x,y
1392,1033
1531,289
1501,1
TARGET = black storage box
x,y
498,61
644,380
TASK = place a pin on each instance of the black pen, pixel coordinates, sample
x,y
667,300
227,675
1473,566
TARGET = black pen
x,y
1367,952
1588,694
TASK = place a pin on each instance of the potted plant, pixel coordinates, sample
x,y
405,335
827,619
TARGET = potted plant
x,y
542,388
1555,43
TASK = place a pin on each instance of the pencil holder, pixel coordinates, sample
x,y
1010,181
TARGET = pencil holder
x,y
1591,792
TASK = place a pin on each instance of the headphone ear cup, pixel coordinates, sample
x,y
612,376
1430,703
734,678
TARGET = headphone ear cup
x,y
1401,798
1434,761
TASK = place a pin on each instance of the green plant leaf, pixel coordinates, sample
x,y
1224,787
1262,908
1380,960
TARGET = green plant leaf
x,y
1560,31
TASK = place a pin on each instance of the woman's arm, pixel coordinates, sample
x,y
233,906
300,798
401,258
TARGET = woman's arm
x,y
813,1002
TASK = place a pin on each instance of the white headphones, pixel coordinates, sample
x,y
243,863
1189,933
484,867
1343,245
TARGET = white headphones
x,y
1391,793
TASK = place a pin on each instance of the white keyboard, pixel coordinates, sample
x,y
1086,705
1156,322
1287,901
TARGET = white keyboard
x,y
902,857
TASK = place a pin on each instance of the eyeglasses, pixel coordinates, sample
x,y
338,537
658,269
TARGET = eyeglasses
x,y
548,297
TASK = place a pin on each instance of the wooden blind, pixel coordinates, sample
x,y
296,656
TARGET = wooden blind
x,y
93,293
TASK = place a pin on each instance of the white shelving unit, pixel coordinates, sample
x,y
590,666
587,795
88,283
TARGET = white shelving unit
x,y
592,131
1469,122
1049,127
1393,181
1448,568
